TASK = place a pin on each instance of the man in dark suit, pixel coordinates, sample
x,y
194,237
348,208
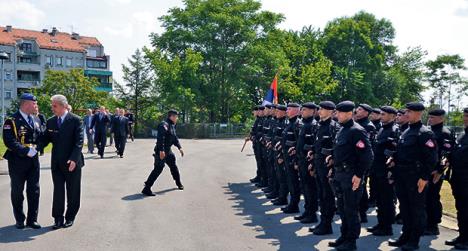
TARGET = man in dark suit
x,y
99,126
120,129
89,135
131,123
21,134
65,132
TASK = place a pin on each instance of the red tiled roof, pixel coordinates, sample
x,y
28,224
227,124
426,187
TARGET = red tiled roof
x,y
61,41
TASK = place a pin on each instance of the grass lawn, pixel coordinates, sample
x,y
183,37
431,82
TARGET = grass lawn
x,y
3,148
448,202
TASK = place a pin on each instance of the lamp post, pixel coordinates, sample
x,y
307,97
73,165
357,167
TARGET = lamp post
x,y
3,57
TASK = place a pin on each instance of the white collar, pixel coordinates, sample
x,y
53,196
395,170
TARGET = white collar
x,y
64,115
25,116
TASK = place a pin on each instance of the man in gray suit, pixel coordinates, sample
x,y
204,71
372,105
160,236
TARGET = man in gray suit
x,y
89,135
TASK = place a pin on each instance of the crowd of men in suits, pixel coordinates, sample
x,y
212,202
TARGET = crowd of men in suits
x,y
27,132
344,159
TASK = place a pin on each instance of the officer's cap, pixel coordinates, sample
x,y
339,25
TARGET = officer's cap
x,y
172,112
28,96
401,111
255,108
269,106
415,106
437,112
366,107
310,105
293,105
261,107
281,107
377,110
465,110
328,105
389,109
345,106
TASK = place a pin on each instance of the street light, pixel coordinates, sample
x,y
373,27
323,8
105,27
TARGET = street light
x,y
3,57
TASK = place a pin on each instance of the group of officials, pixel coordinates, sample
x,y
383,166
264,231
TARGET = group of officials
x,y
345,158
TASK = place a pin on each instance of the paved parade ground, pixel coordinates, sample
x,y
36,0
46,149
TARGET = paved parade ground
x,y
218,210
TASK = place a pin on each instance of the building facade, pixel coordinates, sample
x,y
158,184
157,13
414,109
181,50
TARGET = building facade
x,y
32,53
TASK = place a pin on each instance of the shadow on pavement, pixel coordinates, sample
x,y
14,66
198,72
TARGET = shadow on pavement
x,y
9,234
140,196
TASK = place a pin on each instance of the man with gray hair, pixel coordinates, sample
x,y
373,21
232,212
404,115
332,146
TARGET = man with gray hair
x,y
88,118
65,132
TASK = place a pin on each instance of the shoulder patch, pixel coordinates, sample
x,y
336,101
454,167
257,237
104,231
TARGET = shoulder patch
x,y
360,144
430,143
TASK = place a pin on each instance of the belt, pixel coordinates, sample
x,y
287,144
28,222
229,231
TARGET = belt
x,y
30,145
290,143
267,138
326,151
278,138
308,147
342,167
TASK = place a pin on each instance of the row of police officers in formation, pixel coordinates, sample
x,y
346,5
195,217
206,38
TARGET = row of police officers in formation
x,y
345,158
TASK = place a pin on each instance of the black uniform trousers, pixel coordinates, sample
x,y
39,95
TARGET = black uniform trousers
x,y
412,206
280,172
384,196
100,141
120,142
27,171
309,189
272,181
326,195
258,158
460,193
364,203
433,204
71,182
348,205
292,177
159,164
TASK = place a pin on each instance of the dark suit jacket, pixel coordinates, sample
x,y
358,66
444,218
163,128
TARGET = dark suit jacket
x,y
120,126
67,141
15,129
100,124
87,123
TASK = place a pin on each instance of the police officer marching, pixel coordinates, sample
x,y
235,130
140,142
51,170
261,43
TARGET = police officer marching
x,y
21,135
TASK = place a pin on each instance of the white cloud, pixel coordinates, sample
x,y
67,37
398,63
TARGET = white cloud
x,y
125,31
20,13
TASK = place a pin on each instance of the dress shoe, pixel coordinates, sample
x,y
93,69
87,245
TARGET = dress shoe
x,y
347,246
309,219
179,185
452,242
373,228
398,242
409,247
58,224
382,232
255,180
433,230
462,245
337,242
33,225
68,223
147,191
121,156
322,229
19,225
267,190
300,217
272,195
280,202
102,156
291,210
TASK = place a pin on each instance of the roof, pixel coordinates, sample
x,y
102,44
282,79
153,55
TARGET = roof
x,y
61,41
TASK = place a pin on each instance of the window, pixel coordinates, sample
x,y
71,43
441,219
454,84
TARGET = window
x,y
48,60
26,47
59,61
9,57
96,64
79,62
8,75
7,94
91,53
26,60
68,62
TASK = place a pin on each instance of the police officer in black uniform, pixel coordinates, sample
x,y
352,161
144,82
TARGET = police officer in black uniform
x,y
352,156
445,141
326,132
415,159
252,137
290,135
375,118
270,190
362,117
279,164
384,147
163,154
305,144
21,134
259,138
458,180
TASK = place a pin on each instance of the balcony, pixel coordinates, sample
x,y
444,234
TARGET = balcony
x,y
107,87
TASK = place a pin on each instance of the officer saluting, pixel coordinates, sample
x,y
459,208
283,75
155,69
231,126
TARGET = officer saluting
x,y
414,161
163,154
20,135
352,156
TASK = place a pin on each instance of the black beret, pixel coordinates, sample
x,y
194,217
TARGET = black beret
x,y
345,106
366,107
269,106
172,112
389,109
310,105
328,105
415,106
255,108
28,96
281,107
402,111
465,110
437,112
376,110
261,107
293,105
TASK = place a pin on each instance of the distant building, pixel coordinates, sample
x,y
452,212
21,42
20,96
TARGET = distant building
x,y
31,53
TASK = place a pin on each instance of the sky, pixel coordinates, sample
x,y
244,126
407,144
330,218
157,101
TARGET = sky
x,y
122,26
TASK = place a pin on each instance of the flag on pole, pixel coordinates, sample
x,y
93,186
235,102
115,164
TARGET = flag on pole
x,y
271,96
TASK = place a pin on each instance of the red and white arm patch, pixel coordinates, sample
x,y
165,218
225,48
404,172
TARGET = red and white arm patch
x,y
430,143
360,144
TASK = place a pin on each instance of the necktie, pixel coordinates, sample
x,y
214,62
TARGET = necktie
x,y
30,121
59,122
